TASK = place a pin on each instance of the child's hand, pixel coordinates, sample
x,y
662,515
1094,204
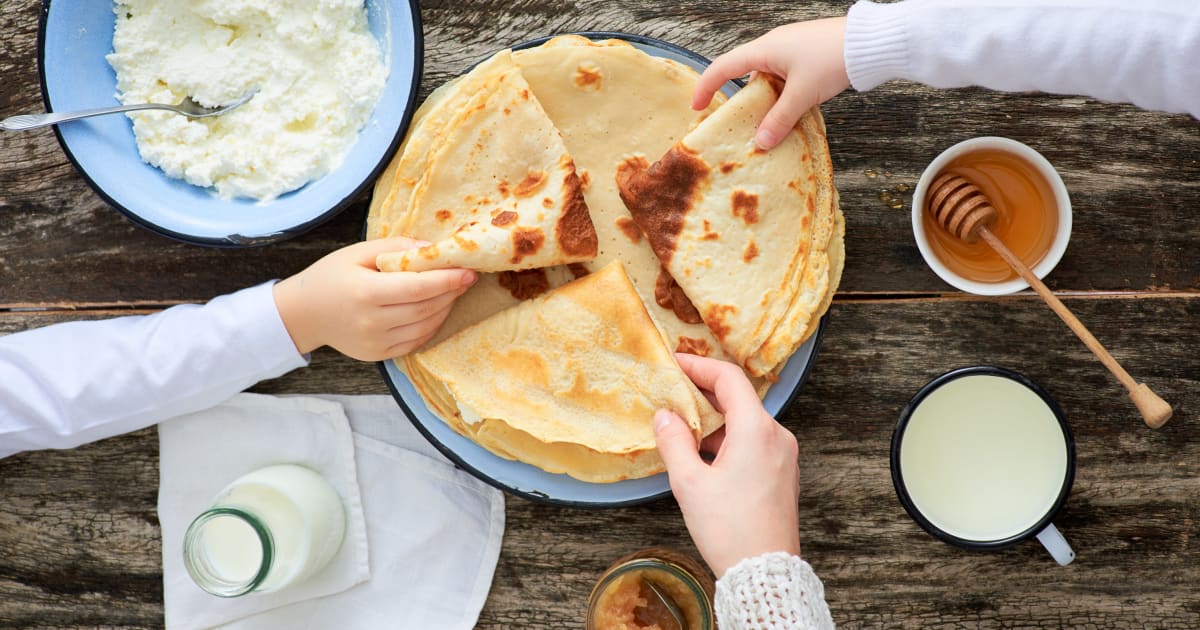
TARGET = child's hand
x,y
807,55
345,302
744,503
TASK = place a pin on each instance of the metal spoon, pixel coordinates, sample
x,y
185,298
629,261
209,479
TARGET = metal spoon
x,y
187,107
668,603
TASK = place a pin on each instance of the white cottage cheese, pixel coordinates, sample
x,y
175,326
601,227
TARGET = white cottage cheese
x,y
318,69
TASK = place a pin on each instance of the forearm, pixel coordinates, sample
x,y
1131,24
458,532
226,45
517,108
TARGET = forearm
x,y
1135,52
774,591
65,385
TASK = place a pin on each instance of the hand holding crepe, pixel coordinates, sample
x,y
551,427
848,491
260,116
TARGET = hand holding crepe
x,y
752,237
728,522
498,190
574,378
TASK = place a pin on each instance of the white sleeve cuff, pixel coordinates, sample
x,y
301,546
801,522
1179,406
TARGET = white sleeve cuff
x,y
876,47
774,591
264,333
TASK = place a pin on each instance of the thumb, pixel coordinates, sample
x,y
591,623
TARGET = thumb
x,y
794,101
676,444
367,251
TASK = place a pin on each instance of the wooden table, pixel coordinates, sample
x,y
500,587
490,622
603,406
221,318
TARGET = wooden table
x,y
79,538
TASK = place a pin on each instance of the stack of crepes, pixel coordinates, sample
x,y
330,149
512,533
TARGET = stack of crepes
x,y
754,238
554,380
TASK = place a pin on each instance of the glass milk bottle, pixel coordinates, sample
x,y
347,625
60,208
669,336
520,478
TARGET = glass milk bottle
x,y
269,529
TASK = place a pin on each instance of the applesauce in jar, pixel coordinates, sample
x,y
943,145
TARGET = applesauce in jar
x,y
621,600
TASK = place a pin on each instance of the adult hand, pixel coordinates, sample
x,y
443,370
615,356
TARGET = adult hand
x,y
808,56
744,503
345,302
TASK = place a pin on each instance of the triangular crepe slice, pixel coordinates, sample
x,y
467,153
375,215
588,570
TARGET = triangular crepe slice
x,y
581,367
389,211
731,223
389,199
610,99
500,192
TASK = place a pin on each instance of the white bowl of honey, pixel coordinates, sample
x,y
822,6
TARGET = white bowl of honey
x,y
1034,217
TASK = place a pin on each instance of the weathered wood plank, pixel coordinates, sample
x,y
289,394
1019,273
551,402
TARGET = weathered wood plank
x,y
1134,176
82,547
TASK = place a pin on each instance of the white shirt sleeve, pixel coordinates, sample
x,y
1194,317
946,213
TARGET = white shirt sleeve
x,y
1145,52
68,384
774,591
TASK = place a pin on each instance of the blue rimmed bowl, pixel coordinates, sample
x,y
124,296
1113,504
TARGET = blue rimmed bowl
x,y
73,40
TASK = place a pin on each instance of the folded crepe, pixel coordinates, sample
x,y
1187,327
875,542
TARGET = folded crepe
x,y
573,380
745,233
497,189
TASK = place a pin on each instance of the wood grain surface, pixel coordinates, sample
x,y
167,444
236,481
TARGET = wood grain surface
x,y
79,536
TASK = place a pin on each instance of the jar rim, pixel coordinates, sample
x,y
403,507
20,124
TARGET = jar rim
x,y
707,616
197,567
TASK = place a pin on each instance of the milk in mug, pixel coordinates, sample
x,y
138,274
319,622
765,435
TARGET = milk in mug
x,y
983,458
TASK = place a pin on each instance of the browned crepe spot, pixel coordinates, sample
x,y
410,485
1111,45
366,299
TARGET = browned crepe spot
x,y
429,252
727,167
585,179
589,77
443,215
709,235
575,232
504,218
715,318
669,296
745,206
547,202
691,345
524,284
660,196
533,182
630,229
526,242
751,252
467,245
532,364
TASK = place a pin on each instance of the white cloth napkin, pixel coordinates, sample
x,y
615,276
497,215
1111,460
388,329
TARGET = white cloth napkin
x,y
434,531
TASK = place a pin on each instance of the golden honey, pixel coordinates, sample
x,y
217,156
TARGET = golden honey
x,y
1027,216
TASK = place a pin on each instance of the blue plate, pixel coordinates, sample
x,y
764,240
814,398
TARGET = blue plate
x,y
534,483
75,36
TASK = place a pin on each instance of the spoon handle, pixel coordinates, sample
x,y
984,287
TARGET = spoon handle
x,y
34,121
1155,411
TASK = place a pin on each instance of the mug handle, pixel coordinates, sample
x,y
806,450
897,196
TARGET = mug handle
x,y
1053,541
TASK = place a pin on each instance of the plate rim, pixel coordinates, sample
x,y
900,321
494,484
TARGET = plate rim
x,y
540,497
232,241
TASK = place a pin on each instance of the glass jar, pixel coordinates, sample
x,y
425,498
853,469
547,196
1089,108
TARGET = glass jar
x,y
269,529
621,601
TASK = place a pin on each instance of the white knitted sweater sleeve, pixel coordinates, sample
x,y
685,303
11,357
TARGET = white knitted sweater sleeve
x,y
1142,52
774,591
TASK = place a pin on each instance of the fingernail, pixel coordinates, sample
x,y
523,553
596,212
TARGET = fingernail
x,y
469,278
662,418
764,140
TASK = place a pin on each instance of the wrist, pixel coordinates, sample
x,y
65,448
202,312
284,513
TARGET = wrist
x,y
289,303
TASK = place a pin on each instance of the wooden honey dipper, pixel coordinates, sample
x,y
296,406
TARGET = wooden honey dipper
x,y
962,209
